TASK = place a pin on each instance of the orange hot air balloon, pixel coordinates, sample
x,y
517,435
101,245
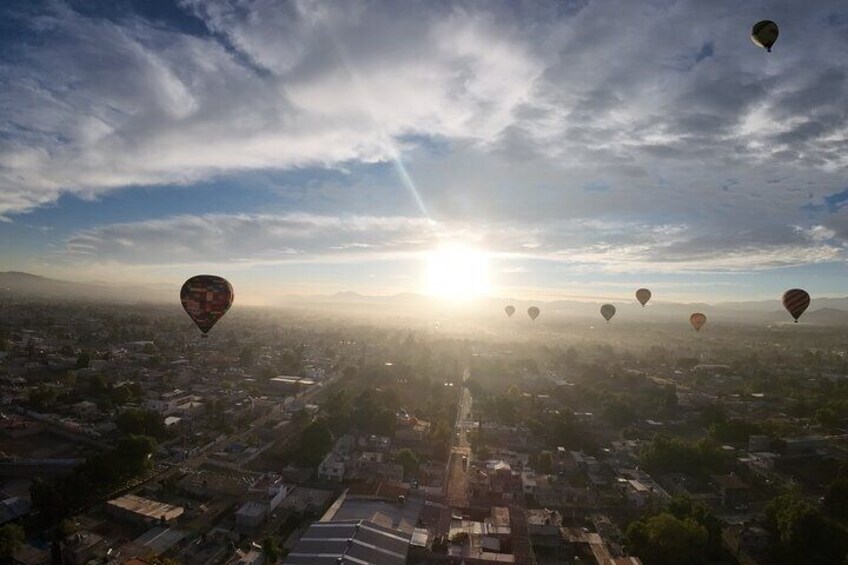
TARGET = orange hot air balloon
x,y
697,320
510,310
607,311
796,301
643,295
206,298
764,34
533,312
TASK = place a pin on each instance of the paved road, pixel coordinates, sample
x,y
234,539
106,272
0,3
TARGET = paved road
x,y
456,486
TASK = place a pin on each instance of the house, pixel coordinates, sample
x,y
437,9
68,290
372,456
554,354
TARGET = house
x,y
332,468
137,509
732,490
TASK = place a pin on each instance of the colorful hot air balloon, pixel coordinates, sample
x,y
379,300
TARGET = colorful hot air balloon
x,y
533,312
510,310
796,300
607,311
206,298
643,295
764,34
697,320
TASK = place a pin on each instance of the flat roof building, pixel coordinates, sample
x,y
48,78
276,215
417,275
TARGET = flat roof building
x,y
138,509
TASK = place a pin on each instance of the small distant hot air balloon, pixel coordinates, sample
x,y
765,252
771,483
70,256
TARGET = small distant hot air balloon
x,y
764,34
643,295
510,310
206,298
533,312
796,300
697,320
607,311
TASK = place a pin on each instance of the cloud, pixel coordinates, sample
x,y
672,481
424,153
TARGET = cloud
x,y
519,123
267,239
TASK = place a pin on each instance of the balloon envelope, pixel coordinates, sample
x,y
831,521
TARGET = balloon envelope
x,y
796,301
643,295
206,298
510,310
607,311
697,320
533,312
764,34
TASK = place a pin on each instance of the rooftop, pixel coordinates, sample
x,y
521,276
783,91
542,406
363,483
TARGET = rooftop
x,y
350,542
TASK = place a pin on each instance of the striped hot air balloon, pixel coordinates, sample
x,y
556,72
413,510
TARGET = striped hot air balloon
x,y
796,300
206,298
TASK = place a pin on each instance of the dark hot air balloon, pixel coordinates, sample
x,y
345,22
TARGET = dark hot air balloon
x,y
510,310
643,295
607,311
764,34
796,300
533,312
206,298
697,320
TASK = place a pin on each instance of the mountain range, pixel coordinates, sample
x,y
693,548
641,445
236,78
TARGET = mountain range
x,y
822,311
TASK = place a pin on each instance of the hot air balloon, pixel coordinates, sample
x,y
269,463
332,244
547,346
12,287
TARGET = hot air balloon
x,y
697,320
643,295
206,298
533,312
764,34
796,300
510,310
607,311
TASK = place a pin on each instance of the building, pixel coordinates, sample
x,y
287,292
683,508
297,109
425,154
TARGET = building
x,y
732,490
350,542
143,510
332,468
267,492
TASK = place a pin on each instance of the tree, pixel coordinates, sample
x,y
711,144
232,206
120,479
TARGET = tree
x,y
246,357
801,534
83,360
11,539
546,463
142,422
836,498
409,461
666,540
315,441
271,550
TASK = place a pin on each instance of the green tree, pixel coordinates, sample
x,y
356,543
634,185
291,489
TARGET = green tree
x,y
799,533
546,463
11,539
836,498
667,540
142,422
315,441
83,360
409,461
271,550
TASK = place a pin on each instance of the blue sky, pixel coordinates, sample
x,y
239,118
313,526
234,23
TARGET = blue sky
x,y
589,147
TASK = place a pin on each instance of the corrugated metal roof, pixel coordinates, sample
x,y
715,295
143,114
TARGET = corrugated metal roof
x,y
358,542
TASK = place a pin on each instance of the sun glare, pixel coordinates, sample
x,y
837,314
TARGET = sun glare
x,y
457,272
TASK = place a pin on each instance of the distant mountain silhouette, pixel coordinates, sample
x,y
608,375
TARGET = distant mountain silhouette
x,y
27,285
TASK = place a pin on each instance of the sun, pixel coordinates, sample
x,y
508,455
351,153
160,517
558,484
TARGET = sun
x,y
457,272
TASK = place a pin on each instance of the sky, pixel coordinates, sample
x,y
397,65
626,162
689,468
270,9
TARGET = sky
x,y
586,147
